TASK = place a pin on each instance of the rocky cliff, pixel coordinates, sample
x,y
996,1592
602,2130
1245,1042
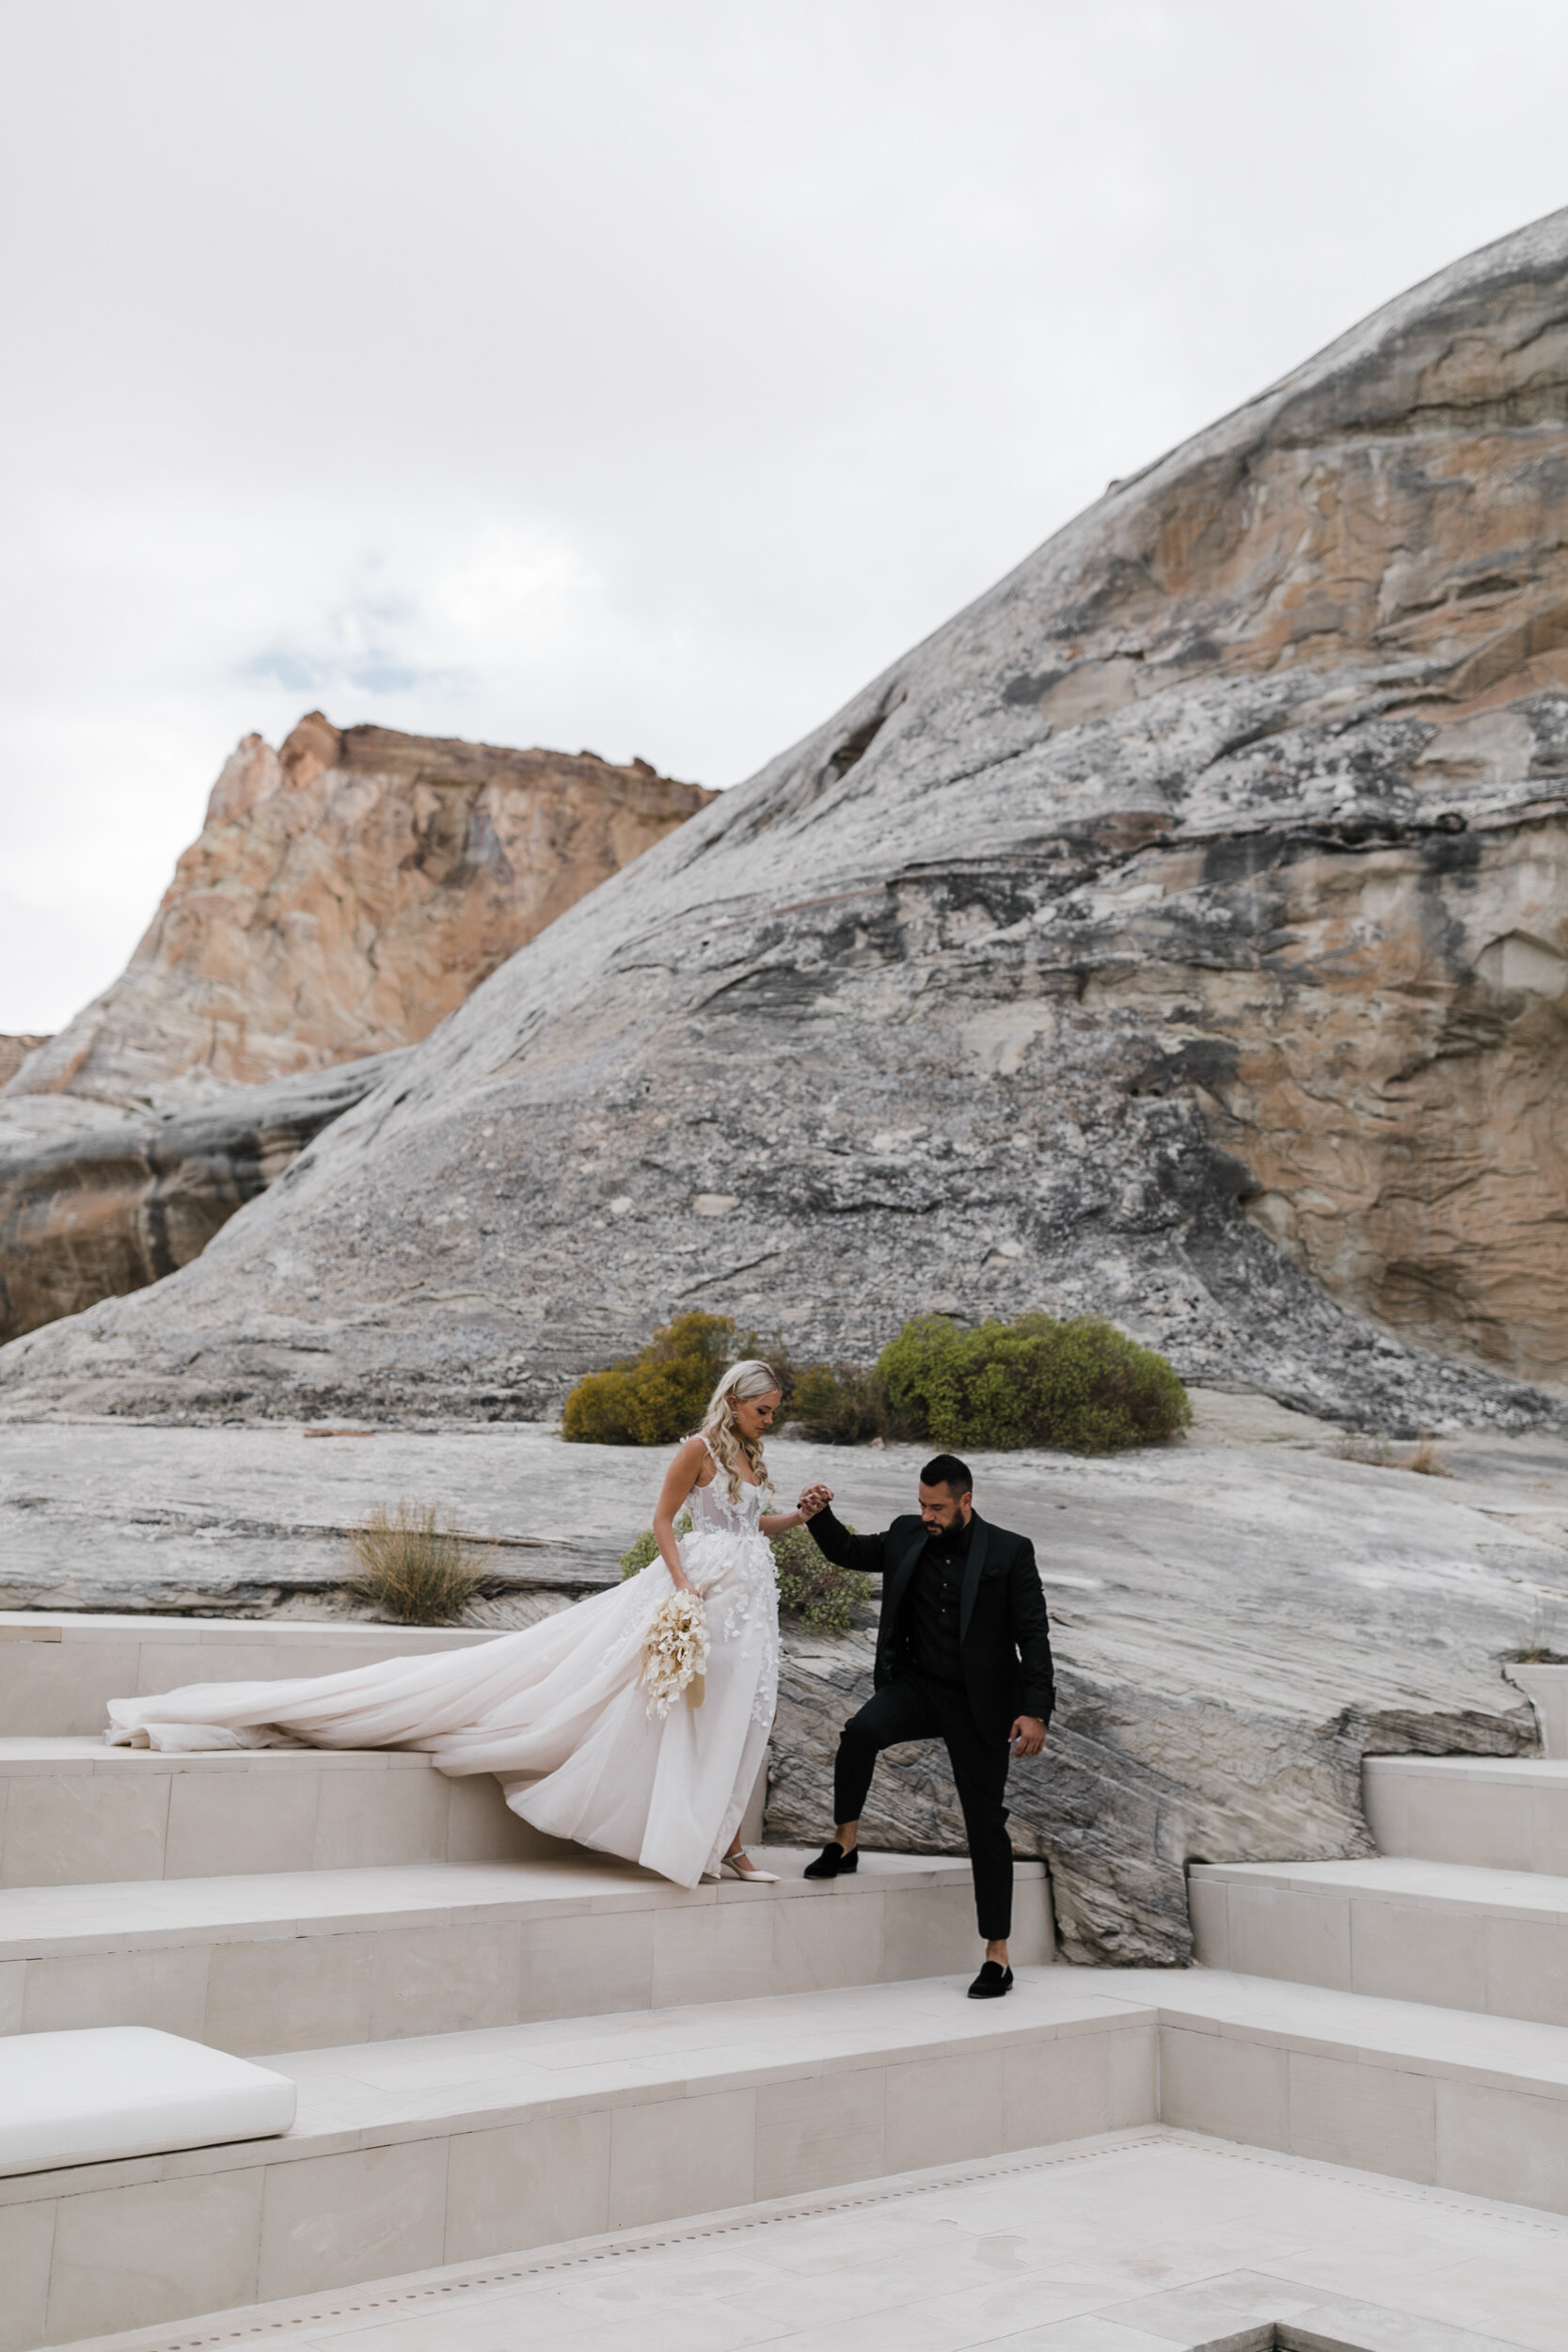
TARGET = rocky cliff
x,y
95,1203
345,894
1178,932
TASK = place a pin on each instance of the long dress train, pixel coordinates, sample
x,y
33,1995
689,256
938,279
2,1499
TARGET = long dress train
x,y
556,1711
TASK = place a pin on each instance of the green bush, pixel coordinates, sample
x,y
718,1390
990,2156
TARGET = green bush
x,y
1082,1384
659,1395
839,1403
810,1587
636,1556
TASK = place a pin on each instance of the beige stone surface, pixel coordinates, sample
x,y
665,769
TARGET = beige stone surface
x,y
463,2142
1454,1935
74,1813
293,1958
1472,1809
1112,2243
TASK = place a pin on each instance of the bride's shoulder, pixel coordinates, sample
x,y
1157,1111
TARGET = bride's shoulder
x,y
696,1455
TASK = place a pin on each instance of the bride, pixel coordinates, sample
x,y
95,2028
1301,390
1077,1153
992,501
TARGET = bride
x,y
557,1711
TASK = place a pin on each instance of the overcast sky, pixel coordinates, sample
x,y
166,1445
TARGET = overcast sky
x,y
641,374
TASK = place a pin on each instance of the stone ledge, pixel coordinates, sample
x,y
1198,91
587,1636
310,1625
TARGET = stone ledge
x,y
362,1956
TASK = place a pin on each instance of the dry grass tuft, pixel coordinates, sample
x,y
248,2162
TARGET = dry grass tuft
x,y
1538,1649
412,1569
1428,1461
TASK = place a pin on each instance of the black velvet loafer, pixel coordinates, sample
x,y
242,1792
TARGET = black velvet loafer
x,y
832,1862
991,1982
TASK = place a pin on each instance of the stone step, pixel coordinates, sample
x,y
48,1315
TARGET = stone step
x,y
303,1959
60,1670
412,2154
73,1812
1503,1813
1444,1933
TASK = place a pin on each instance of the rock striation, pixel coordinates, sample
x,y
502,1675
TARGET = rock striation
x,y
1178,932
346,892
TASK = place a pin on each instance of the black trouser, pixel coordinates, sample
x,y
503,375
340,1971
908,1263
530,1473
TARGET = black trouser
x,y
909,1708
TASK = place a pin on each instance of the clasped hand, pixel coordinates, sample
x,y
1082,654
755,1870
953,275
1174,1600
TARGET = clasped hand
x,y
814,1499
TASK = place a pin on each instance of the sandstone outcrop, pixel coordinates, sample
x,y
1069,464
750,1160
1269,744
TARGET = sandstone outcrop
x,y
345,894
1178,932
91,1207
14,1051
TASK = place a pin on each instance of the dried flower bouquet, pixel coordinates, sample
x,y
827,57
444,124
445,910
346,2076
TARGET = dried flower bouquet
x,y
674,1653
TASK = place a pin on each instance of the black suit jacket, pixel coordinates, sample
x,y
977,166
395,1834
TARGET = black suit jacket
x,y
1004,1633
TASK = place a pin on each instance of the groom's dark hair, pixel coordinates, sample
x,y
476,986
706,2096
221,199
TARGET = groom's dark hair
x,y
946,1469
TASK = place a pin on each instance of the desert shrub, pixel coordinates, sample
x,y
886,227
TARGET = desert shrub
x,y
1079,1384
656,1396
412,1569
813,1589
810,1587
839,1403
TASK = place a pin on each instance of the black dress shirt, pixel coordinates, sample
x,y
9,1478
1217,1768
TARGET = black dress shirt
x,y
931,1614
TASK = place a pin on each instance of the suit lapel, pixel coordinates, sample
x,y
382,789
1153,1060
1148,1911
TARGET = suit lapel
x,y
975,1562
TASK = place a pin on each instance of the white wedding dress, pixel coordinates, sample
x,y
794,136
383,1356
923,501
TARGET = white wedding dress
x,y
556,1711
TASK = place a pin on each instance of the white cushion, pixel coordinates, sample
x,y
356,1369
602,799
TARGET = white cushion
x,y
128,2091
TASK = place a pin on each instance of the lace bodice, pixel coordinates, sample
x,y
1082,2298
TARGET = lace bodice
x,y
710,1506
730,1561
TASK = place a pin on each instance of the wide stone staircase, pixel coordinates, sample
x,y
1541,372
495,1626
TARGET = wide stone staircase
x,y
500,2044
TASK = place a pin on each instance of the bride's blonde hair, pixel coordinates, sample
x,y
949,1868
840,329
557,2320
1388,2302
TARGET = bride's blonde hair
x,y
723,1432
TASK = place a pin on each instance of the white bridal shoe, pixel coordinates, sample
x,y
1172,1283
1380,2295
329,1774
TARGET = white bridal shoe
x,y
740,1866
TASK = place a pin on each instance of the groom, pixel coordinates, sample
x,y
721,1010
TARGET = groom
x,y
963,1653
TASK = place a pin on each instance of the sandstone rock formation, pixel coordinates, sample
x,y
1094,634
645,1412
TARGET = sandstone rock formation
x,y
91,1207
1178,932
14,1051
345,894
